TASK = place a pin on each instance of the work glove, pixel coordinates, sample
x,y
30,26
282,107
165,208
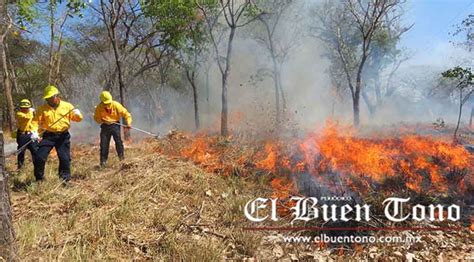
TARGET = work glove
x,y
31,109
76,112
34,136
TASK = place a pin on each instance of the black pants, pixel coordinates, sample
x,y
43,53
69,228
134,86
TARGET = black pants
x,y
61,142
21,140
107,131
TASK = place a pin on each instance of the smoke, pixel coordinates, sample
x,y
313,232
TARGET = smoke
x,y
305,77
251,94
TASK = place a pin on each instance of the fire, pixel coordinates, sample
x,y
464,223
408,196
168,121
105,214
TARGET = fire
x,y
283,188
201,153
198,151
420,163
351,155
338,157
270,161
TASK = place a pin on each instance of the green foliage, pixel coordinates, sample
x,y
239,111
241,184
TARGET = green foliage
x,y
75,6
28,10
179,21
253,11
460,80
464,76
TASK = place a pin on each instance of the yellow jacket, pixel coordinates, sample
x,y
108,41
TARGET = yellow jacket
x,y
47,115
111,113
25,121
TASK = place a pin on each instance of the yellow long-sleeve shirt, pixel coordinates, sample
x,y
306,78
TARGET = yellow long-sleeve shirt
x,y
25,121
47,115
111,113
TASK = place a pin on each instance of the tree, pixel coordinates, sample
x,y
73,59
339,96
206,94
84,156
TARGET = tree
x,y
466,31
277,44
26,12
182,28
349,30
191,61
461,80
134,39
383,62
192,57
111,14
7,233
57,27
6,23
237,14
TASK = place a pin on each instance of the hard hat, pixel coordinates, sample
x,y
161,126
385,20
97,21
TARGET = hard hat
x,y
50,91
25,103
106,97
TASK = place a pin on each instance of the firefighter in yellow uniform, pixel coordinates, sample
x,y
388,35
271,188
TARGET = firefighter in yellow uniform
x,y
108,114
54,119
27,133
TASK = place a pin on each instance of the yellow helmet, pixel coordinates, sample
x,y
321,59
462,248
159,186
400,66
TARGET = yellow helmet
x,y
106,97
50,91
25,103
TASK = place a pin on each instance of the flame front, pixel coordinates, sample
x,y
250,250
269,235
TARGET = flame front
x,y
413,162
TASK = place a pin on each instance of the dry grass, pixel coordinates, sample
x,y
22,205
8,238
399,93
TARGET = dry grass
x,y
147,207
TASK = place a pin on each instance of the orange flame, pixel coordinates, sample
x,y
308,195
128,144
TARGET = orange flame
x,y
270,161
336,155
421,163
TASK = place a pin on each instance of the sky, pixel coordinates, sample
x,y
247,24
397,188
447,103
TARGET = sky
x,y
429,40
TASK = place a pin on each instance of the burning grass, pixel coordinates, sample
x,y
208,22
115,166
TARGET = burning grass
x,y
421,164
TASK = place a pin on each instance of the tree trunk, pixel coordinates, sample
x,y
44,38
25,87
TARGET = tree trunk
x,y
118,63
455,138
282,93
225,75
52,10
196,109
371,107
470,119
358,88
277,98
191,76
355,109
12,71
276,74
277,86
224,127
6,81
208,90
7,233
